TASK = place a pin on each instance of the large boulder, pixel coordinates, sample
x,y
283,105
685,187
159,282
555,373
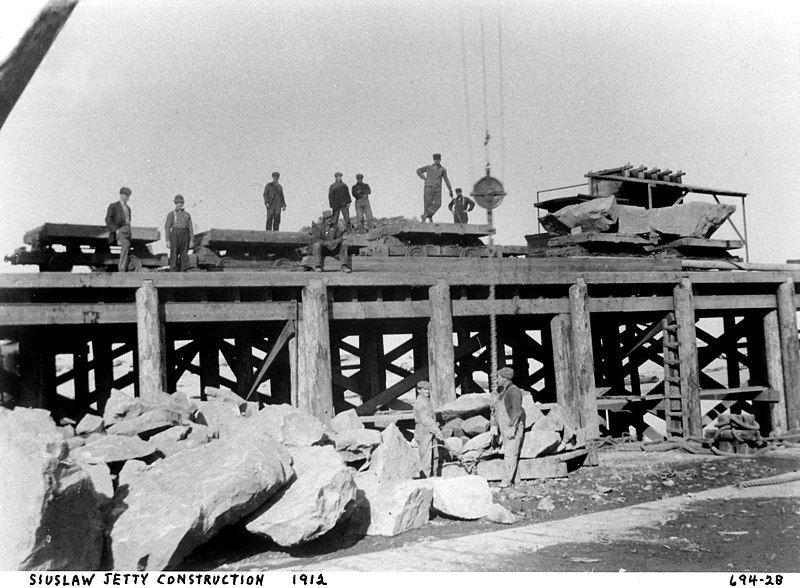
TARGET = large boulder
x,y
390,508
689,219
178,503
225,395
173,440
356,444
222,417
322,493
146,424
475,425
49,517
91,423
464,497
121,406
465,406
394,458
289,425
346,420
130,470
452,428
478,443
538,443
598,215
101,480
532,412
113,448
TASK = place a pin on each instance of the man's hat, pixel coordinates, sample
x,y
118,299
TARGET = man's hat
x,y
458,190
125,190
327,213
359,176
424,385
275,174
437,155
178,198
506,373
338,174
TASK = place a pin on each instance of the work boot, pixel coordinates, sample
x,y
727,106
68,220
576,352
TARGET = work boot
x,y
345,269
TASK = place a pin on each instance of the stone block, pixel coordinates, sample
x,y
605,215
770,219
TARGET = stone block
x,y
101,480
390,508
463,497
289,425
538,443
90,423
475,425
394,458
465,406
147,424
222,417
113,448
346,420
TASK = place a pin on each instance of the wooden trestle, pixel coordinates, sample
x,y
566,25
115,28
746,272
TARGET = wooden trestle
x,y
579,333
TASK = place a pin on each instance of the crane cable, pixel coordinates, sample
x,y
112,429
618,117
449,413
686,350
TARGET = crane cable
x,y
466,94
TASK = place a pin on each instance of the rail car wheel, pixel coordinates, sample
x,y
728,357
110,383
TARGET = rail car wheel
x,y
469,252
60,262
416,251
224,262
284,262
134,264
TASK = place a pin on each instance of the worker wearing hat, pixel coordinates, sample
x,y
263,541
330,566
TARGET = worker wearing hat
x,y
118,222
339,200
508,421
432,196
179,233
275,202
426,429
327,241
361,192
460,206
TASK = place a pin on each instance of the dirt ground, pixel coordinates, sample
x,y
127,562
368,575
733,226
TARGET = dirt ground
x,y
622,478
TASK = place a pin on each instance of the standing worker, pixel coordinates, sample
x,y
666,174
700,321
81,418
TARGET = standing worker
x,y
275,202
426,430
361,192
433,175
179,234
339,200
460,206
509,417
118,222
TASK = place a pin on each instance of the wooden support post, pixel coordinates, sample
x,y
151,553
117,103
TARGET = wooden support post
x,y
420,350
103,370
294,345
441,354
37,372
687,355
280,382
790,352
519,361
731,352
336,368
314,387
566,393
373,375
209,363
244,363
774,371
583,358
80,366
150,334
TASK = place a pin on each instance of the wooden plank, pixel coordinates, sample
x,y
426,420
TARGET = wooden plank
x,y
441,353
631,304
187,312
314,386
150,336
64,234
380,310
790,351
735,302
607,238
700,242
687,352
583,357
687,187
413,227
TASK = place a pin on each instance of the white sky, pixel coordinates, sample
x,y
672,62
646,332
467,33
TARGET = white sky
x,y
206,99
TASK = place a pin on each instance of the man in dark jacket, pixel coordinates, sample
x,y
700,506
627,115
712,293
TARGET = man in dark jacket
x,y
361,192
179,233
118,222
460,206
275,202
508,419
326,241
339,200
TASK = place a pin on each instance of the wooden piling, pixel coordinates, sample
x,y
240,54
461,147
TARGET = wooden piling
x,y
209,363
314,389
687,355
373,375
774,370
441,355
566,393
790,351
583,357
80,367
37,371
150,337
103,370
244,363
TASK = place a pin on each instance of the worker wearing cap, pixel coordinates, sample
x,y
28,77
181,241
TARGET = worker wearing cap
x,y
460,206
508,419
339,200
327,241
432,196
179,234
275,202
361,192
426,430
118,222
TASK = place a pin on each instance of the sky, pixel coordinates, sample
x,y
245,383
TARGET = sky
x,y
207,99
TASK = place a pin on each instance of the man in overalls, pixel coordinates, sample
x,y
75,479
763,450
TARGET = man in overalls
x,y
426,430
508,419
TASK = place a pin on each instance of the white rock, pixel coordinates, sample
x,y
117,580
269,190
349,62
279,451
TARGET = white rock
x,y
310,505
121,406
390,508
147,424
463,497
532,411
101,479
289,425
538,443
346,420
454,445
394,458
475,425
111,448
222,417
89,424
500,514
225,395
355,444
466,406
130,470
478,443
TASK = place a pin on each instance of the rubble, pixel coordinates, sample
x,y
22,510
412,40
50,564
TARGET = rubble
x,y
225,395
113,448
120,406
131,468
532,412
49,517
389,508
173,440
689,219
322,493
394,458
452,428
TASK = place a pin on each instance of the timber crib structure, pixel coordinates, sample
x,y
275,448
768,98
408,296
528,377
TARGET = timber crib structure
x,y
581,333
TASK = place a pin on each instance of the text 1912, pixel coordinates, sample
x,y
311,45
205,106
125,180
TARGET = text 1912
x,y
308,579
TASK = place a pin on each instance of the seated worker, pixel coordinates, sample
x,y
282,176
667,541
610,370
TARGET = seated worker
x,y
460,206
326,241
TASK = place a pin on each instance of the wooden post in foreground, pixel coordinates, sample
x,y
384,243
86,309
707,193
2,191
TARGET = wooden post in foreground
x,y
315,389
150,334
566,393
583,358
774,371
687,355
790,351
441,354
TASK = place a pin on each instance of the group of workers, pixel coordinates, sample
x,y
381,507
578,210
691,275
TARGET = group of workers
x,y
507,426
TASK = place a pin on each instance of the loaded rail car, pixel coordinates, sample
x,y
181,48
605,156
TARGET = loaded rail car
x,y
221,249
58,247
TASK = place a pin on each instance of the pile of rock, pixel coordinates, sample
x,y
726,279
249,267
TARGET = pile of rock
x,y
142,485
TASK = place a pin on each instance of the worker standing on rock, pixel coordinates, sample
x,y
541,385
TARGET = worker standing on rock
x,y
460,206
433,175
180,234
508,419
426,430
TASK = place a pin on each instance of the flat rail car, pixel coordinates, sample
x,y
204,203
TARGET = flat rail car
x,y
226,249
58,247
